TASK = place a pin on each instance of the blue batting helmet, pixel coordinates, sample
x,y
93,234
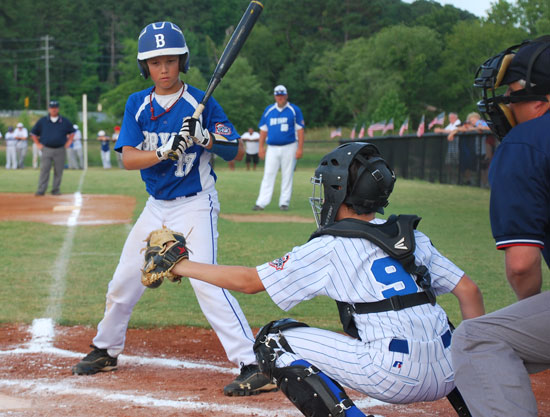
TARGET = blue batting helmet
x,y
158,39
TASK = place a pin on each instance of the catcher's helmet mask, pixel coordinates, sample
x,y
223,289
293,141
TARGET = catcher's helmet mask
x,y
355,174
513,64
159,39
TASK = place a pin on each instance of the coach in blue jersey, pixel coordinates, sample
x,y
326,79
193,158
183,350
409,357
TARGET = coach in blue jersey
x,y
174,155
52,134
493,355
282,129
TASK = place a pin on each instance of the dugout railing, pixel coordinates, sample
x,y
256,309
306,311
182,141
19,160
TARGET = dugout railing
x,y
433,158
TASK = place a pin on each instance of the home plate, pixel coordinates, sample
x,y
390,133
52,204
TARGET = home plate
x,y
65,208
13,403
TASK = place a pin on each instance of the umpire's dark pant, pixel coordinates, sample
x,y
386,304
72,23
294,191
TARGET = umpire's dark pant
x,y
55,156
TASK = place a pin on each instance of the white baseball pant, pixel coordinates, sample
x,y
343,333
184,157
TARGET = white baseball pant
x,y
283,157
196,217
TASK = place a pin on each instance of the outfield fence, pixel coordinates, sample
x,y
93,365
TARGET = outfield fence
x,y
464,161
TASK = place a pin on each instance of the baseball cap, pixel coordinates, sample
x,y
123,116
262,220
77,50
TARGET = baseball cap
x,y
54,103
75,127
10,129
280,90
117,128
19,124
101,133
540,72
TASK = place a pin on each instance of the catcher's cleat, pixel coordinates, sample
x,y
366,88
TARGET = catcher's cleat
x,y
250,382
98,360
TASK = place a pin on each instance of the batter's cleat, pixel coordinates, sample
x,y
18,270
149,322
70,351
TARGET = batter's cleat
x,y
250,382
257,208
98,360
284,208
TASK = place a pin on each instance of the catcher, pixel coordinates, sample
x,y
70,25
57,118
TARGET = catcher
x,y
384,276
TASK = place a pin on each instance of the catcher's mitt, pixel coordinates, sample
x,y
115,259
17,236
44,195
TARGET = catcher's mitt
x,y
165,248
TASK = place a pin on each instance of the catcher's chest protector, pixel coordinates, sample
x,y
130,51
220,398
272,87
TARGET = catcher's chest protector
x,y
396,238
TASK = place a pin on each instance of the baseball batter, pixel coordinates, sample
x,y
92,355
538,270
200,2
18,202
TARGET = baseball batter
x,y
397,347
283,125
175,164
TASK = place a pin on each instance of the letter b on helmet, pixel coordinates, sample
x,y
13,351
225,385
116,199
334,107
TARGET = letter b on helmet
x,y
159,39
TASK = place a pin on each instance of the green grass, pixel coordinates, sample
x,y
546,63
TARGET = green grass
x,y
455,218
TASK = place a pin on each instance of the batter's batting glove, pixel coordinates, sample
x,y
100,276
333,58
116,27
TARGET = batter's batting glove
x,y
174,147
193,128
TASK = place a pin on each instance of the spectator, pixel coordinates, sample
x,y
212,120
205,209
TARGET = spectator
x,y
21,134
251,141
11,152
494,354
76,154
118,155
283,125
53,134
452,157
478,146
105,150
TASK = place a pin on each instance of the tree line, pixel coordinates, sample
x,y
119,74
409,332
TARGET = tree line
x,y
343,61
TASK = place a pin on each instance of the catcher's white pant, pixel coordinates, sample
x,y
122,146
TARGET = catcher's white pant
x,y
372,368
276,157
197,218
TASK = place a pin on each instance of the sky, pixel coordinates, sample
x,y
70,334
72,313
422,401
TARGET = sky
x,y
477,7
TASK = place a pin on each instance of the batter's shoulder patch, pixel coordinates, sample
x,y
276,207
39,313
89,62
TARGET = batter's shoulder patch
x,y
223,130
279,264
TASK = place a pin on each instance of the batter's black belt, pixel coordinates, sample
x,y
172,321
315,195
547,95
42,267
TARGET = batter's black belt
x,y
402,345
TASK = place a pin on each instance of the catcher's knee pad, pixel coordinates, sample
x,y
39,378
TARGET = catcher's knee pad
x,y
313,392
270,343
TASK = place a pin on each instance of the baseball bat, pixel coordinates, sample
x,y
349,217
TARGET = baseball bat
x,y
231,51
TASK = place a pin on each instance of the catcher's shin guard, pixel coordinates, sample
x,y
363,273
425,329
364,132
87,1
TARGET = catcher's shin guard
x,y
313,392
309,389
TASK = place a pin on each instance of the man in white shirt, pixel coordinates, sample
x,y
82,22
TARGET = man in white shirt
x,y
251,141
21,135
11,155
452,149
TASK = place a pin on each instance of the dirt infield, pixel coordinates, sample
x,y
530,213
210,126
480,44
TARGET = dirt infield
x,y
178,371
87,209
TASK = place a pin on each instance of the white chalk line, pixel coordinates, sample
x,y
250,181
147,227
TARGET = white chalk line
x,y
42,336
59,271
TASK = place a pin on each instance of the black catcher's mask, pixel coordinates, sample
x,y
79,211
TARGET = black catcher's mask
x,y
355,174
529,61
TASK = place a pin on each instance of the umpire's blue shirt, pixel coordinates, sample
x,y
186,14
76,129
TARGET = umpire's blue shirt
x,y
53,134
520,187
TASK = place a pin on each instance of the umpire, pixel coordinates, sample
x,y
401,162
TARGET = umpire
x,y
494,354
53,134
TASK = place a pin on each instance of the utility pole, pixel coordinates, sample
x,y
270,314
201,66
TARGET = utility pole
x,y
47,57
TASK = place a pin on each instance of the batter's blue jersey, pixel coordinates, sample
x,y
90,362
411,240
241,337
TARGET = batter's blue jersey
x,y
520,187
281,124
193,171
